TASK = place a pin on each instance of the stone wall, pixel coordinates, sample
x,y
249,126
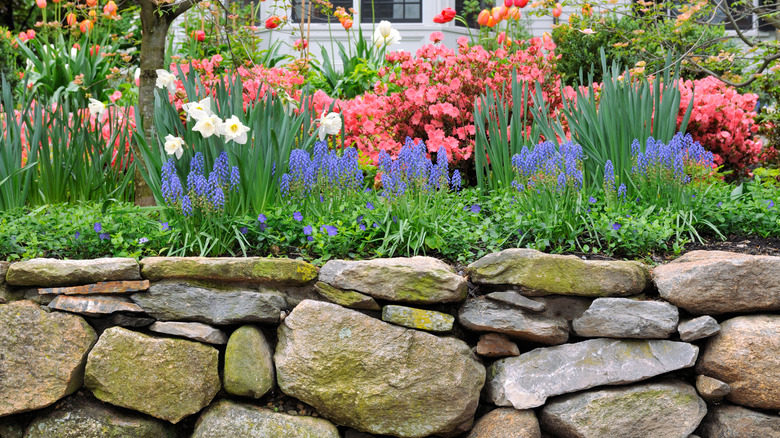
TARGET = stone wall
x,y
518,344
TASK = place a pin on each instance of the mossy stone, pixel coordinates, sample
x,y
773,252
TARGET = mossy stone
x,y
249,366
346,298
420,319
220,269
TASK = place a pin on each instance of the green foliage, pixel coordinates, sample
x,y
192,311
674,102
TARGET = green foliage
x,y
9,61
359,69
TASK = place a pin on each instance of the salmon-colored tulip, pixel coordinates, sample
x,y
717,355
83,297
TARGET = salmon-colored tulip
x,y
41,3
198,35
495,13
491,22
272,22
482,18
86,26
91,3
30,34
557,10
504,12
347,23
71,19
514,13
110,8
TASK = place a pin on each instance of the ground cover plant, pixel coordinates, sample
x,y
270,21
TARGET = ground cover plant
x,y
453,152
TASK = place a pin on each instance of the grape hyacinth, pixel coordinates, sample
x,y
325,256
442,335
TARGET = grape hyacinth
x,y
413,172
561,167
674,160
204,193
321,172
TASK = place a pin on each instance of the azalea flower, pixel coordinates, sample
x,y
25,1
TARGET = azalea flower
x,y
207,125
174,145
166,80
198,110
234,130
385,35
96,107
588,31
329,125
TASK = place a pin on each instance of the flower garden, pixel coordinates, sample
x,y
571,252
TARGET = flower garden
x,y
361,151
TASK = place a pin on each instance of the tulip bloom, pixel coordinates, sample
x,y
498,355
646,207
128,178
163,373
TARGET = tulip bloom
x,y
86,26
272,22
30,34
110,8
557,10
508,3
71,19
514,13
482,18
448,13
521,3
347,23
439,18
495,14
41,3
198,35
91,3
300,44
94,50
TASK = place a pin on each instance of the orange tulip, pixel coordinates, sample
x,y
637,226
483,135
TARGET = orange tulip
x,y
587,11
491,22
71,19
504,12
110,8
514,13
557,10
482,18
91,3
41,3
496,14
347,23
86,26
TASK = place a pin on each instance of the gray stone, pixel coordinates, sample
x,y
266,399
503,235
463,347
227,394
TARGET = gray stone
x,y
538,274
94,305
276,271
376,377
568,308
746,355
117,319
193,330
420,319
486,315
515,299
496,345
52,272
416,280
163,377
668,409
346,298
698,328
249,365
527,380
42,356
711,390
506,423
727,421
188,302
81,416
715,282
226,418
100,288
625,318
3,270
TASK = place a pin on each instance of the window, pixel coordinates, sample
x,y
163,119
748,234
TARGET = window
x,y
396,11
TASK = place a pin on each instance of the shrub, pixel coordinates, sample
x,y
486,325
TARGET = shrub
x,y
9,65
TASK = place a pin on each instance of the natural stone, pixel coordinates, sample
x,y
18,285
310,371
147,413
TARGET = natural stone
x,y
117,319
669,409
3,270
538,273
229,269
42,356
194,330
515,299
483,315
727,421
746,355
496,345
625,318
527,380
698,328
163,377
346,298
52,272
249,366
226,418
715,282
103,287
506,423
8,294
711,390
94,305
420,319
376,377
568,308
81,416
187,302
416,280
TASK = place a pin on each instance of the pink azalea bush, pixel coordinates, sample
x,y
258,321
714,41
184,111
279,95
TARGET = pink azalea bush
x,y
723,121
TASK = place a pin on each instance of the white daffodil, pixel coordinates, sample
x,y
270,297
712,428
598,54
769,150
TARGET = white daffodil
x,y
207,125
166,80
174,145
96,107
329,125
234,130
386,35
198,110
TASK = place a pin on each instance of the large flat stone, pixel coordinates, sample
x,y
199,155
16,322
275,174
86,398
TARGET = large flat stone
x,y
42,356
346,298
94,305
484,315
727,421
715,282
746,355
230,269
419,319
163,377
180,301
515,299
625,318
249,364
507,423
52,272
526,381
416,280
669,409
193,330
103,287
376,377
226,418
81,416
539,274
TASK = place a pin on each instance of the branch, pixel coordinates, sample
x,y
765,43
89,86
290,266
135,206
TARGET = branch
x,y
726,10
753,76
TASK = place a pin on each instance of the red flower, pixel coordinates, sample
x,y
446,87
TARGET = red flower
x,y
198,35
438,18
446,15
272,22
521,3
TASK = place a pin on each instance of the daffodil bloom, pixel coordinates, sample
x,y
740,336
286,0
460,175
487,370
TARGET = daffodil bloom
x,y
96,107
174,145
233,129
329,125
207,125
385,35
166,80
198,110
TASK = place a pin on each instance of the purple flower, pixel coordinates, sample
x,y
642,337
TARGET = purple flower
x,y
165,226
616,226
720,203
369,206
771,204
375,225
244,230
142,240
331,230
77,235
104,236
263,226
592,200
261,218
363,226
310,239
298,216
476,208
97,227
307,230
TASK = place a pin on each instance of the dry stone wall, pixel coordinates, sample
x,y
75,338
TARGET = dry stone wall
x,y
519,344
